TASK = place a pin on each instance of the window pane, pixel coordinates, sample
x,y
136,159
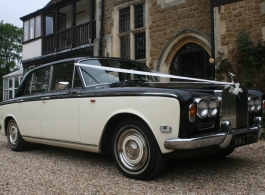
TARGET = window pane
x,y
39,82
48,24
15,92
125,47
62,73
140,50
10,94
5,94
139,14
10,83
31,28
5,83
26,30
38,26
125,19
16,82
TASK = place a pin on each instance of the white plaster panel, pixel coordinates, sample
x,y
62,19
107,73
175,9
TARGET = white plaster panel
x,y
82,7
32,49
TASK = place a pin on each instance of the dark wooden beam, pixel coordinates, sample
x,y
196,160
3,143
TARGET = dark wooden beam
x,y
91,20
73,23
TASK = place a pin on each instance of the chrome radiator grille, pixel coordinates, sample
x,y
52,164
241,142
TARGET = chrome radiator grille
x,y
235,108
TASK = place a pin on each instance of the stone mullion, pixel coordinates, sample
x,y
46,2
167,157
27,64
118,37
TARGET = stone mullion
x,y
132,39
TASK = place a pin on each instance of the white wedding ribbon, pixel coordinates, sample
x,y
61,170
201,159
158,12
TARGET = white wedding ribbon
x,y
151,74
234,87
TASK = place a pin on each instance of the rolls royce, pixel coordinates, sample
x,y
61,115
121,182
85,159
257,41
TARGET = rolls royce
x,y
120,107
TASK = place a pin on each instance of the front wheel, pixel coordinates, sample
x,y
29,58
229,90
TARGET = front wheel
x,y
136,151
15,141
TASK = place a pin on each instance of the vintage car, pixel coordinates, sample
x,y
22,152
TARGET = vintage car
x,y
120,107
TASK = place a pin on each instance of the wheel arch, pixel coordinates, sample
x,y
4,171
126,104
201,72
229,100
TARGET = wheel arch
x,y
105,141
7,119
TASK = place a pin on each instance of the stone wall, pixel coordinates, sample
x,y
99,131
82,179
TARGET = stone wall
x,y
167,22
167,18
248,15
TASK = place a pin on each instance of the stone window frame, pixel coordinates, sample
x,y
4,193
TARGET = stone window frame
x,y
133,31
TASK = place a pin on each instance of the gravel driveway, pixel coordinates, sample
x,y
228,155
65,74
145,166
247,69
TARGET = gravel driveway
x,y
52,170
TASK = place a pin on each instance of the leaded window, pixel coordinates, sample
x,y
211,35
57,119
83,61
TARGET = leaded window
x,y
132,43
139,16
125,47
125,19
140,50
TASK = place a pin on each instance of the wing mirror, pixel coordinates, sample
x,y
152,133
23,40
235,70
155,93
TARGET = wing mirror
x,y
64,85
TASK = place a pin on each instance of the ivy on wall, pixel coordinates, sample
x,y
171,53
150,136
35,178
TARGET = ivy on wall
x,y
247,60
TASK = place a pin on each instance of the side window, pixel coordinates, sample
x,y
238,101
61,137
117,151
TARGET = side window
x,y
64,73
39,81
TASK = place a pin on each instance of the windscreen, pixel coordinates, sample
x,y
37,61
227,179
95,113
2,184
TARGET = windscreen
x,y
93,75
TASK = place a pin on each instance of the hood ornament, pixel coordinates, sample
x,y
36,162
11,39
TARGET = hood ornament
x,y
234,89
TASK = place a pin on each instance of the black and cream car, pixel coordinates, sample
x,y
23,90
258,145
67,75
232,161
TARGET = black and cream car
x,y
119,107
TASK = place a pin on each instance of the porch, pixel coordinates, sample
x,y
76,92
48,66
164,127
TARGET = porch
x,y
69,26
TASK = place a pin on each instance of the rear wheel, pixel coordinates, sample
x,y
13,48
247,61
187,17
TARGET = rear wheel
x,y
136,151
15,141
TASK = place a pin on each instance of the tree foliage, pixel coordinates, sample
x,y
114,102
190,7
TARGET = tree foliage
x,y
10,50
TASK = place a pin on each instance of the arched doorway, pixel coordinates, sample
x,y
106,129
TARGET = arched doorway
x,y
192,60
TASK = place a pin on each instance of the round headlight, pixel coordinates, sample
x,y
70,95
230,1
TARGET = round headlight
x,y
202,109
251,105
257,104
213,108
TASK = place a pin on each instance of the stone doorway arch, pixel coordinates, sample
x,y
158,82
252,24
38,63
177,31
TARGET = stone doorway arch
x,y
177,43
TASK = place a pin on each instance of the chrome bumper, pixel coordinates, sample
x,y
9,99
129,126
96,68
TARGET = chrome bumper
x,y
222,139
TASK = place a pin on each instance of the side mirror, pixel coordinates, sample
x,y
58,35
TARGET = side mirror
x,y
64,85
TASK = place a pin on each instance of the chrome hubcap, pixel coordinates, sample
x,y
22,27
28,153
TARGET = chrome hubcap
x,y
132,149
13,133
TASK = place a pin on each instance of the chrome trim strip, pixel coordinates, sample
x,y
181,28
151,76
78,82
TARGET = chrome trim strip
x,y
196,142
160,94
59,141
222,139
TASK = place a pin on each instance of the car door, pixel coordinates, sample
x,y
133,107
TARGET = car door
x,y
60,106
28,107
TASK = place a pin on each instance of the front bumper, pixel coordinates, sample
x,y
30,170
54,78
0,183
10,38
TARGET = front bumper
x,y
222,139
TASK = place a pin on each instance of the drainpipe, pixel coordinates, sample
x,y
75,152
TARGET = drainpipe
x,y
212,40
101,29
